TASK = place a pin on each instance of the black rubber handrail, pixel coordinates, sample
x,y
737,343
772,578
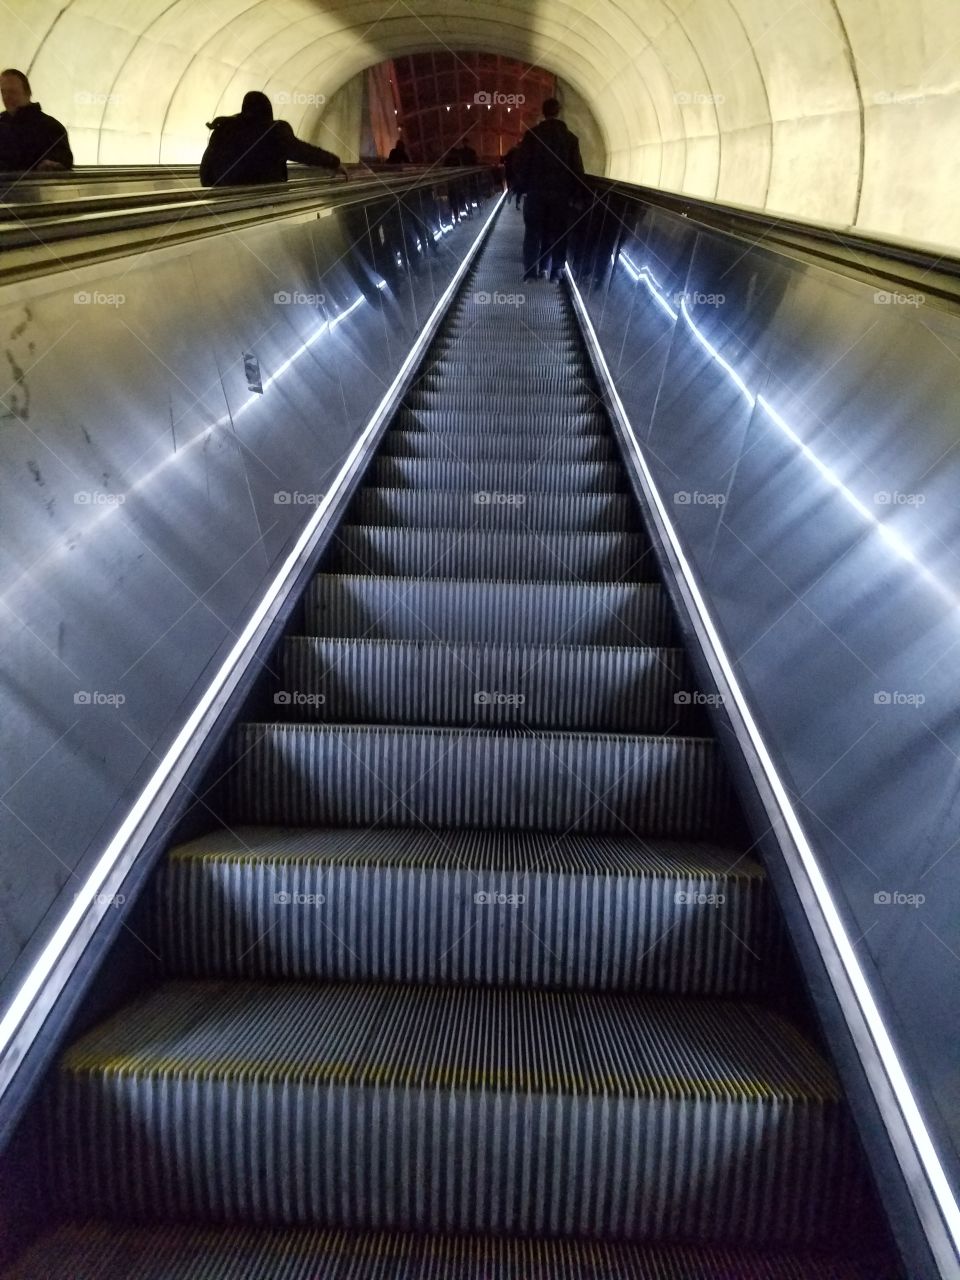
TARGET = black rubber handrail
x,y
908,265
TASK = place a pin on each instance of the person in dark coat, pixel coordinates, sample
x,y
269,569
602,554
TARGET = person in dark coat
x,y
253,147
549,172
510,173
29,138
399,154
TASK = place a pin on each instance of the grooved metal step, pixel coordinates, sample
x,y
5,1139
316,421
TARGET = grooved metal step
x,y
599,913
455,1109
631,690
498,612
556,382
533,420
105,1251
500,446
357,775
572,477
492,398
471,553
457,509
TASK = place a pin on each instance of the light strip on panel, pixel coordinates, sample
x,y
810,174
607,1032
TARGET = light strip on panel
x,y
895,1074
46,977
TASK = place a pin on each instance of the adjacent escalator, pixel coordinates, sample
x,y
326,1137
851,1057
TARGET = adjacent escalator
x,y
476,975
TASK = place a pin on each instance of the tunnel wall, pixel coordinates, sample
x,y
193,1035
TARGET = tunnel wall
x,y
841,111
175,418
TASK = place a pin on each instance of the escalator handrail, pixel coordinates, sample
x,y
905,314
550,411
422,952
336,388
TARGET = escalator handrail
x,y
861,253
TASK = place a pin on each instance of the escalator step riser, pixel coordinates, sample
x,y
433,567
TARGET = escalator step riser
x,y
454,378
540,420
492,398
402,682
295,775
105,1251
498,477
356,1106
456,553
499,613
501,446
483,345
344,918
559,513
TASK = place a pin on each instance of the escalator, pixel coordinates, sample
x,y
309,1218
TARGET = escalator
x,y
475,975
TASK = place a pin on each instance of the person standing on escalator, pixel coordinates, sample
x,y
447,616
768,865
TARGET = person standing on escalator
x,y
252,147
549,173
29,138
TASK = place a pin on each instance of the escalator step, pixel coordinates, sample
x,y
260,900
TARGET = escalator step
x,y
456,509
483,553
536,419
557,383
564,477
527,909
103,1251
518,446
547,375
630,690
490,612
482,345
455,1109
491,397
355,775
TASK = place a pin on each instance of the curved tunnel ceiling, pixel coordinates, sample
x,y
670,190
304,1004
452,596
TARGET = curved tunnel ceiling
x,y
839,110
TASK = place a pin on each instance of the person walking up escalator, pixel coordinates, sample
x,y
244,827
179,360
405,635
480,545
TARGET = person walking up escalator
x,y
252,147
549,173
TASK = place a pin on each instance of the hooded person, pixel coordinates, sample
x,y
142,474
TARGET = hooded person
x,y
252,147
29,138
548,171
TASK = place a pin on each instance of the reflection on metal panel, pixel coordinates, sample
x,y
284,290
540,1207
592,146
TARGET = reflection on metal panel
x,y
802,429
147,494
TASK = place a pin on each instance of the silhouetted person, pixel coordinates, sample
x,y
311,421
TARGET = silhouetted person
x,y
399,154
510,173
29,138
253,147
466,155
549,172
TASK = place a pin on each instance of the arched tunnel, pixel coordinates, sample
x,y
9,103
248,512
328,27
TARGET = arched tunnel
x,y
833,110
479,616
